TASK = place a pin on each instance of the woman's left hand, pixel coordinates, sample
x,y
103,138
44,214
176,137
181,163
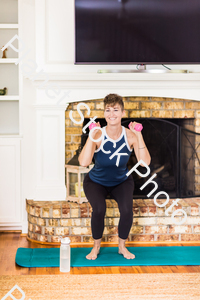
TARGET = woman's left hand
x,y
132,126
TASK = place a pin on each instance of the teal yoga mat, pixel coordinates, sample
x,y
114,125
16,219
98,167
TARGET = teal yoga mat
x,y
144,256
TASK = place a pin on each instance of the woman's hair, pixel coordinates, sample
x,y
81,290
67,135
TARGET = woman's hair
x,y
112,99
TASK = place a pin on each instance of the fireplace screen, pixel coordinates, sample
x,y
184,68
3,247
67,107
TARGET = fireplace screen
x,y
174,151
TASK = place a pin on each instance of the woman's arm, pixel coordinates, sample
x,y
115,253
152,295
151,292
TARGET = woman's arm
x,y
86,155
139,146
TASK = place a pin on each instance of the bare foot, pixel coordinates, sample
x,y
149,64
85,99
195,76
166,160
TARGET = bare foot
x,y
124,251
93,254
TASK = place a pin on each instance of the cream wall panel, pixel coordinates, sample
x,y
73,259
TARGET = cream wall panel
x,y
50,153
59,31
10,206
54,22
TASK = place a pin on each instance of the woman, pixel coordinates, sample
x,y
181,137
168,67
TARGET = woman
x,y
108,175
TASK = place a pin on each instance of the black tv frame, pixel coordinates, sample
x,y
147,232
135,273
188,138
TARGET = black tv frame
x,y
125,62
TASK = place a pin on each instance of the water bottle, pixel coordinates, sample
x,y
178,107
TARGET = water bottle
x,y
65,255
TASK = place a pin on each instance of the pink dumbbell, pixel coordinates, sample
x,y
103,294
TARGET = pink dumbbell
x,y
138,127
92,125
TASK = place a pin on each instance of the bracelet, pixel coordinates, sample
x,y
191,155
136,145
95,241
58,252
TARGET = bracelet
x,y
142,148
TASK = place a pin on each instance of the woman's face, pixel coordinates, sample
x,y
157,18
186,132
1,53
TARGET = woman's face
x,y
113,114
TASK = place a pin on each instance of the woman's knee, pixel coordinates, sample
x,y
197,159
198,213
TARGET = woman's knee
x,y
126,212
99,211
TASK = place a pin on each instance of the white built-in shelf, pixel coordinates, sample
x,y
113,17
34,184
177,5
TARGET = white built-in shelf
x,y
8,60
10,135
8,98
9,26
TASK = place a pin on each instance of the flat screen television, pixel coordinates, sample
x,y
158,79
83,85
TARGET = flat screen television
x,y
137,31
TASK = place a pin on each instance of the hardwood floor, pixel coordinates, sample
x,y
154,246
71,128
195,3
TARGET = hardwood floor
x,y
10,242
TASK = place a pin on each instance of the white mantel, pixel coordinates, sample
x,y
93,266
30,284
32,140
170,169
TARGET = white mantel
x,y
86,86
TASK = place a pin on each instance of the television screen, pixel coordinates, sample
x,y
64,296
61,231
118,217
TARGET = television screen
x,y
137,31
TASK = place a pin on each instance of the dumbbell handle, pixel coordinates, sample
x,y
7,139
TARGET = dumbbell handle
x,y
138,127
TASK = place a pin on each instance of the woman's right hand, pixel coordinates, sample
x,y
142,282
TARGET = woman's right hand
x,y
93,133
87,153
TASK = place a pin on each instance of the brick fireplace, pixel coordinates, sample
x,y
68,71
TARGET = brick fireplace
x,y
49,220
187,111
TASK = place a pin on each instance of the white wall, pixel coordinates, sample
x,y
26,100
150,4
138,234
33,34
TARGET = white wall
x,y
27,117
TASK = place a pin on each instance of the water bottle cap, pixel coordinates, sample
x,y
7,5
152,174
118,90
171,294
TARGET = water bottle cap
x,y
65,241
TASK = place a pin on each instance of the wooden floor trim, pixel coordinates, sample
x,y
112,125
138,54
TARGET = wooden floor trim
x,y
113,244
11,231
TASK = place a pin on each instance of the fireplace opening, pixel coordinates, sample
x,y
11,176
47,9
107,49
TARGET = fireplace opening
x,y
174,148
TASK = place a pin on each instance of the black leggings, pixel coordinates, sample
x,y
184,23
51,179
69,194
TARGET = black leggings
x,y
121,193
